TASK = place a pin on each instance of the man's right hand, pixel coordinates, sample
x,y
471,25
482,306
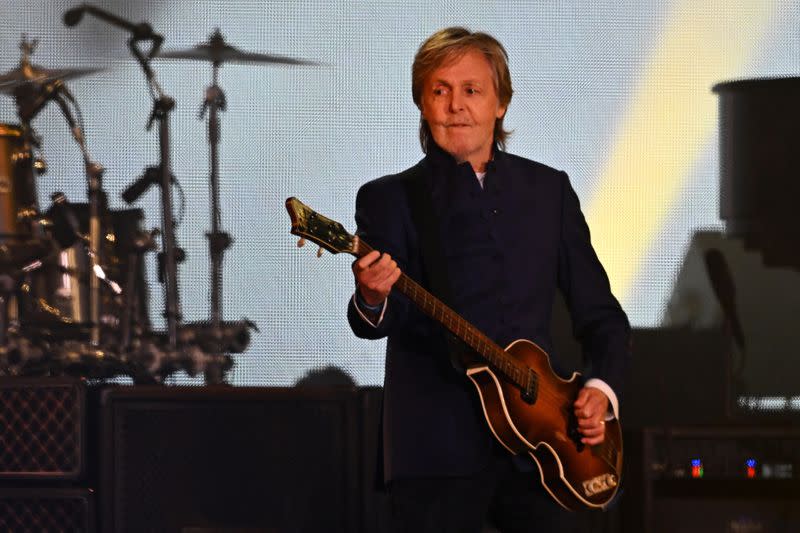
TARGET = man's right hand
x,y
375,274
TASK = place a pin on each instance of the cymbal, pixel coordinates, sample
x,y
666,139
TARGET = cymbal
x,y
218,51
28,73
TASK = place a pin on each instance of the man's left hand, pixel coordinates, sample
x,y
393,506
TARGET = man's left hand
x,y
591,407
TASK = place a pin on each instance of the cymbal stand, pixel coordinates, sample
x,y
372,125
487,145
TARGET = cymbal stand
x,y
218,241
162,106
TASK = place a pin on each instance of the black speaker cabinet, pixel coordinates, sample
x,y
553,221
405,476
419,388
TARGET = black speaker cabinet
x,y
677,376
42,429
55,510
221,458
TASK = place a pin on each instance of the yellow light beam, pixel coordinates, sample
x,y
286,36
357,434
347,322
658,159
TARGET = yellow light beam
x,y
671,118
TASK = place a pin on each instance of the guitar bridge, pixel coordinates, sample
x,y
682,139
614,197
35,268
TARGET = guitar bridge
x,y
531,390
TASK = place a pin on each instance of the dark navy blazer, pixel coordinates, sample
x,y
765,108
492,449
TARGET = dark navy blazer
x,y
507,247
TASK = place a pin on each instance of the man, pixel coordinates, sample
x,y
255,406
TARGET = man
x,y
505,233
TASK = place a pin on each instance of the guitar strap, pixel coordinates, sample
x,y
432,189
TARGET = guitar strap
x,y
423,215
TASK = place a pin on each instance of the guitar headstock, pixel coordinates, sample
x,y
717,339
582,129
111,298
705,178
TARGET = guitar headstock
x,y
327,233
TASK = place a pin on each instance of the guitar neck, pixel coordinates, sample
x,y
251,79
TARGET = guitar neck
x,y
458,326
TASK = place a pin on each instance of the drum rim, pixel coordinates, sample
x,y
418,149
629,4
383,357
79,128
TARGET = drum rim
x,y
10,130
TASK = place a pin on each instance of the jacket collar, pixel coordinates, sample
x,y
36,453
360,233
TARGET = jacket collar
x,y
441,160
441,163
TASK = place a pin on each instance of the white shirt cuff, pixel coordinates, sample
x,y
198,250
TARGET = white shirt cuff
x,y
366,319
613,403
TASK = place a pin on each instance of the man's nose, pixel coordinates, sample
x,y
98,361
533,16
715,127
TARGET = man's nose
x,y
456,101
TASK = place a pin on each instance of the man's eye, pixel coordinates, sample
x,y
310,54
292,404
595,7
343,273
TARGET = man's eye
x,y
439,91
471,90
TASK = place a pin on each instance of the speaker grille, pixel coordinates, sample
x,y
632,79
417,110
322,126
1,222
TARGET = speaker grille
x,y
229,458
41,428
51,510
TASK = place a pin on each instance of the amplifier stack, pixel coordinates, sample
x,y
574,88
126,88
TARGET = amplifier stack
x,y
43,450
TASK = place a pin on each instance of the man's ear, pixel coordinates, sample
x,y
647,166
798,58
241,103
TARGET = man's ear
x,y
501,111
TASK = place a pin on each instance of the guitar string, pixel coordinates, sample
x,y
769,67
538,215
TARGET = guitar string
x,y
481,343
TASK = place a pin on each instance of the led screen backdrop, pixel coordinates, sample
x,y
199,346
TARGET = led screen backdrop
x,y
615,93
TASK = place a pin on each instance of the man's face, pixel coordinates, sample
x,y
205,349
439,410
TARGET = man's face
x,y
460,104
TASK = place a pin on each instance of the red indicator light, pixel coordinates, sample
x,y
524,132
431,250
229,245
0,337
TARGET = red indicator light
x,y
697,468
751,468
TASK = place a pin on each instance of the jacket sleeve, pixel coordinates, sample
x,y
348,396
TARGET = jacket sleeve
x,y
599,322
381,222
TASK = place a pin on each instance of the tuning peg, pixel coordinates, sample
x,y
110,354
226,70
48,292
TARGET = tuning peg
x,y
319,252
301,242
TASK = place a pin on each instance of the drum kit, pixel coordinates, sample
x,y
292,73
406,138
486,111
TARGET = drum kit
x,y
73,291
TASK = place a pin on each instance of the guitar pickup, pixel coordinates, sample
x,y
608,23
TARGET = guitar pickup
x,y
531,390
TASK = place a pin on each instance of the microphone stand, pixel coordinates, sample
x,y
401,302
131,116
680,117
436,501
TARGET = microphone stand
x,y
162,106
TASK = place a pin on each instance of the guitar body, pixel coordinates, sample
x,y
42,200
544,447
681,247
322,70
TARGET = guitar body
x,y
576,476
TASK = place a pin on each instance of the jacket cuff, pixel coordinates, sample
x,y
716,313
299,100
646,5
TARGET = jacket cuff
x,y
365,310
613,403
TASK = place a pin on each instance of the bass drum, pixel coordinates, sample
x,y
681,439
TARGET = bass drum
x,y
57,297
